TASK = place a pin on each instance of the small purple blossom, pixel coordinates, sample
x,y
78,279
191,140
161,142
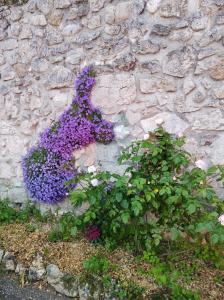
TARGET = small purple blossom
x,y
49,165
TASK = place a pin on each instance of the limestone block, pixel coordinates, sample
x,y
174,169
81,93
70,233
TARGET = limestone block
x,y
73,13
133,117
6,171
147,85
74,57
15,13
25,33
171,8
94,22
21,70
112,29
39,65
188,85
110,14
145,47
7,73
53,36
112,92
220,18
179,61
59,77
206,119
199,23
122,11
217,153
55,16
9,44
153,5
181,35
62,3
71,29
38,20
96,5
170,122
219,92
210,36
45,6
216,71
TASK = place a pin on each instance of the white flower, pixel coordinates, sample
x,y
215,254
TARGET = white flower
x,y
146,136
180,134
201,164
94,182
91,169
221,219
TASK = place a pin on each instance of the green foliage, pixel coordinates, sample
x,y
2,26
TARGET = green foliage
x,y
159,198
97,265
65,229
8,214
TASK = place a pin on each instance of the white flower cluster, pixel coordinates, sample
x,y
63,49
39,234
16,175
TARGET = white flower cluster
x,y
93,169
221,219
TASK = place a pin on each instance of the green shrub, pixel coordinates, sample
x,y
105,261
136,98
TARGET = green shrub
x,y
159,199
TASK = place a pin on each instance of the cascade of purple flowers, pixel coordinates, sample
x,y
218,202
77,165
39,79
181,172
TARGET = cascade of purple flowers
x,y
49,165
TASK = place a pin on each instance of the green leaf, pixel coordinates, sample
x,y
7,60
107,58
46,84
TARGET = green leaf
x,y
191,208
74,231
175,233
215,238
124,204
125,217
137,207
119,197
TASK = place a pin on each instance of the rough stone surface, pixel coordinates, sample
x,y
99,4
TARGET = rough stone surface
x,y
156,62
36,270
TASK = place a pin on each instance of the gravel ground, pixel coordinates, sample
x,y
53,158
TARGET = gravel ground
x,y
10,290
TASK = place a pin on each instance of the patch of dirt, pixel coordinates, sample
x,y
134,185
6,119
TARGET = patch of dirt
x,y
69,257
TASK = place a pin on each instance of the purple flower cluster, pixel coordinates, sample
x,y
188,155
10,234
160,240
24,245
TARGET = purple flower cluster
x,y
49,165
92,233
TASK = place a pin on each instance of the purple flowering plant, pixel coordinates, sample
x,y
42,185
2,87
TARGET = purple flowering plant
x,y
50,164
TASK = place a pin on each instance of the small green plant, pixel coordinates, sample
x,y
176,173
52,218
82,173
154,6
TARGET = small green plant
x,y
65,229
97,269
31,227
7,213
171,277
97,265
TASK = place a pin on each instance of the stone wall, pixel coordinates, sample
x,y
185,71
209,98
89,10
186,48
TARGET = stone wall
x,y
158,62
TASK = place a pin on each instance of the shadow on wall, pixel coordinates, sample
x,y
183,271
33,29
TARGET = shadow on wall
x,y
11,2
